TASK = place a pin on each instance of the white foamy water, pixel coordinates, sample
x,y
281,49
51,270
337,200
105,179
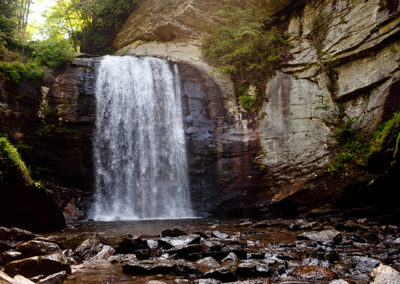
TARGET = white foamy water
x,y
141,169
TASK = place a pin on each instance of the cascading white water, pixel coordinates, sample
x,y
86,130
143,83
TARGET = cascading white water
x,y
141,169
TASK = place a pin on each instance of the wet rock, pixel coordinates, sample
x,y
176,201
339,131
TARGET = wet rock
x,y
287,256
385,274
236,249
321,236
57,278
144,254
173,233
312,272
219,235
129,245
182,251
159,267
37,265
257,255
37,247
152,244
364,264
223,274
149,268
314,261
7,245
207,281
182,240
248,269
302,224
121,258
15,234
9,255
207,264
231,258
18,279
93,249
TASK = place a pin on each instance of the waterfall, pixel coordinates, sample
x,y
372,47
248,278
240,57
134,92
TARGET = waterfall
x,y
141,169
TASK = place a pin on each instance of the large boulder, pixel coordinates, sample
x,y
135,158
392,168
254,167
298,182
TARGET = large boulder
x,y
38,265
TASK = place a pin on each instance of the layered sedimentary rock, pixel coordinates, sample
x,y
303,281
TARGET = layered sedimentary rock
x,y
344,66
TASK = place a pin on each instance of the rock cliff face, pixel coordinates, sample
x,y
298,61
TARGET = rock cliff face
x,y
344,66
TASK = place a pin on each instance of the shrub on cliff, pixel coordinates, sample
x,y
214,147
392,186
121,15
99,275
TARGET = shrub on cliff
x,y
53,52
18,70
375,153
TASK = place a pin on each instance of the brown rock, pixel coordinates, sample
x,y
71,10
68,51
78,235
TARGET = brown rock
x,y
9,255
15,234
312,272
37,265
37,247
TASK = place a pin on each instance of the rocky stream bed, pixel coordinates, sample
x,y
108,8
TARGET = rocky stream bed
x,y
330,250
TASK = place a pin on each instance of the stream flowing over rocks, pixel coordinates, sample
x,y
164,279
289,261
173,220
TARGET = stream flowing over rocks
x,y
331,250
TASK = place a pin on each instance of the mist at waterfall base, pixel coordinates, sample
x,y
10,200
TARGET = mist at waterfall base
x,y
141,169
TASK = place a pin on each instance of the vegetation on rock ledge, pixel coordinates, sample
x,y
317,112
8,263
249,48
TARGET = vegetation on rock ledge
x,y
9,160
375,153
246,45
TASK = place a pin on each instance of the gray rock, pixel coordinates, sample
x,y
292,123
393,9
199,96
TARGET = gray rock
x,y
249,269
223,274
207,281
219,235
182,240
385,274
364,264
152,244
312,272
340,281
159,267
320,236
231,257
57,278
207,264
93,249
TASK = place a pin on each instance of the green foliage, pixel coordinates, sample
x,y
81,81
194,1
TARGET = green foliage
x,y
350,142
53,52
242,47
7,26
248,102
91,25
376,152
386,138
17,70
52,129
10,159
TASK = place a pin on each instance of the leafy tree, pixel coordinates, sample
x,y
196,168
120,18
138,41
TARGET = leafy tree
x,y
89,24
64,20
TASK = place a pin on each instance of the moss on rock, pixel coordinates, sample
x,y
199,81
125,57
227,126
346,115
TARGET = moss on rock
x,y
10,160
